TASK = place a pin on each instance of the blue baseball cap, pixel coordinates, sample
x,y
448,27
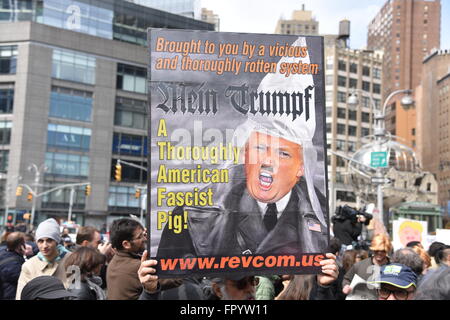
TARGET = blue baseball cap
x,y
397,275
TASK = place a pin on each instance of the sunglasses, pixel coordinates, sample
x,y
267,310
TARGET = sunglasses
x,y
384,293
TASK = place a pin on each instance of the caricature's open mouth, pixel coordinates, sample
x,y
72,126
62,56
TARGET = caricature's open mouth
x,y
265,180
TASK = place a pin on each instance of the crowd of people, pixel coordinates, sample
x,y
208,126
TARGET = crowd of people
x,y
46,265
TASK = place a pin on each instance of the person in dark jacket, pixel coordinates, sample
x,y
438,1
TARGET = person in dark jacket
x,y
11,260
85,262
367,270
348,229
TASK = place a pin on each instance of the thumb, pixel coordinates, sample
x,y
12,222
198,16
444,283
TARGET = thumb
x,y
144,256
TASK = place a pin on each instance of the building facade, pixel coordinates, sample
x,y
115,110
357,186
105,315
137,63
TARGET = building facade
x,y
406,31
302,22
433,128
187,8
73,100
349,71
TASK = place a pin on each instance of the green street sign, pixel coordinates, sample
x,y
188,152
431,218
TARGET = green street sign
x,y
378,160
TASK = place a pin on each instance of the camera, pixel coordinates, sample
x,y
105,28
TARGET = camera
x,y
346,212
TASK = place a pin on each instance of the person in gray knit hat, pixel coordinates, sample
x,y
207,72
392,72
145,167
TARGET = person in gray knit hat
x,y
50,259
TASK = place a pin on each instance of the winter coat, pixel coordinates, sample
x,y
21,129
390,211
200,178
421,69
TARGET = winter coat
x,y
122,277
37,266
10,266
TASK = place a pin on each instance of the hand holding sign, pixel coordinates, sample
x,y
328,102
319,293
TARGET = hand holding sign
x,y
330,270
149,281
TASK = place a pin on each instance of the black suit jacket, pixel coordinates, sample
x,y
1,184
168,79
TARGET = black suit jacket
x,y
235,227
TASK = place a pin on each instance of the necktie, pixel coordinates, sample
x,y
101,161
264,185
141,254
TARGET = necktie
x,y
270,218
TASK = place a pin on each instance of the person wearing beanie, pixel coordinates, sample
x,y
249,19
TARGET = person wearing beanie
x,y
50,259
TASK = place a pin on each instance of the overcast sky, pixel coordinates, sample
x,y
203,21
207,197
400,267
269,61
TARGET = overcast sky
x,y
261,16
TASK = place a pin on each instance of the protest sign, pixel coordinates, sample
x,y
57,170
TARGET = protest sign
x,y
443,235
238,180
406,230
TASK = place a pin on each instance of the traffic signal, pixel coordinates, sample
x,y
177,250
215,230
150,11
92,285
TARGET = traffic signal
x,y
118,174
137,194
27,216
29,196
19,191
87,191
9,219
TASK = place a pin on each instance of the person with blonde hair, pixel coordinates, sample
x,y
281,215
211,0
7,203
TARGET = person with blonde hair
x,y
410,231
369,269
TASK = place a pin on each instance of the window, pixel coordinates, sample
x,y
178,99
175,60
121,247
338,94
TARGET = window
x,y
122,197
366,86
68,137
8,59
365,132
352,115
130,173
73,66
342,65
366,71
353,83
377,103
6,100
342,81
342,97
131,78
351,146
127,144
365,117
329,80
329,96
70,104
65,164
353,68
5,132
340,162
340,145
413,131
130,113
366,102
330,63
341,113
4,157
352,131
328,127
376,88
340,128
377,73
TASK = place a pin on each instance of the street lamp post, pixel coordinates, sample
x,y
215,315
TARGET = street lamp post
x,y
37,176
381,135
